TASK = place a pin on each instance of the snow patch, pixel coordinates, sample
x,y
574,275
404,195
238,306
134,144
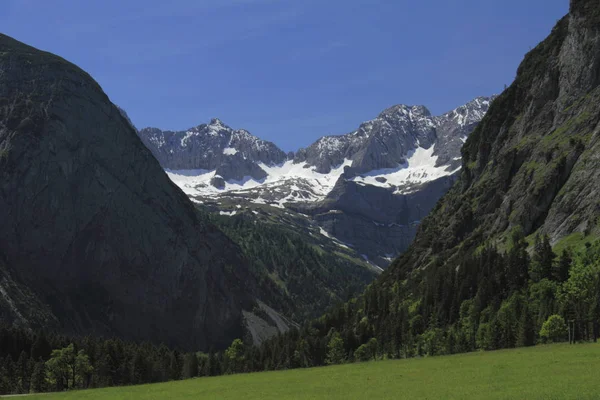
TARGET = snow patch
x,y
418,168
335,240
306,184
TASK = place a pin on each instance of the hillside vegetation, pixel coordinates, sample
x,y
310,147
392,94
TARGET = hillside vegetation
x,y
543,372
512,245
300,272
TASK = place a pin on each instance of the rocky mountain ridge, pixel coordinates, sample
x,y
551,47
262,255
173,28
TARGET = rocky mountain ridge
x,y
232,154
392,168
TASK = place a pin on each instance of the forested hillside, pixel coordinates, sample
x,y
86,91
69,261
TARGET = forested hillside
x,y
299,272
511,251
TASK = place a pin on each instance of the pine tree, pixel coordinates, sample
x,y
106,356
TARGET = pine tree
x,y
41,348
526,333
9,375
23,373
518,261
4,386
174,366
213,364
561,270
190,366
38,378
543,259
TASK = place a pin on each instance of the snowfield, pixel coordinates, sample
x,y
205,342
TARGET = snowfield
x,y
419,168
287,182
297,182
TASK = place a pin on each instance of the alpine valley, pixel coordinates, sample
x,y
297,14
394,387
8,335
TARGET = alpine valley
x,y
95,239
141,256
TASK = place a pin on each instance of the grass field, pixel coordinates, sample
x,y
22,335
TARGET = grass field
x,y
542,372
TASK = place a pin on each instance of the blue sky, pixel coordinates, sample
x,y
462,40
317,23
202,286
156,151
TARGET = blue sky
x,y
289,71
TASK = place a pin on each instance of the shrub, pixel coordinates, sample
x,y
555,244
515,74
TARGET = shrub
x,y
554,329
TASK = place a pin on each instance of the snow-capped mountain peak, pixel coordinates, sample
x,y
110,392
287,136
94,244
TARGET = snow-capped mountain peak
x,y
380,153
213,146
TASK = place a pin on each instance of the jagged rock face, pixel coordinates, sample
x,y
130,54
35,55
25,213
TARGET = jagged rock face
x,y
235,153
454,127
534,160
91,226
387,140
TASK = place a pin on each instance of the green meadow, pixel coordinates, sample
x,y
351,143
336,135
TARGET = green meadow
x,y
542,372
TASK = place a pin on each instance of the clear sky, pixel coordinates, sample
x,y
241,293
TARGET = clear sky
x,y
289,71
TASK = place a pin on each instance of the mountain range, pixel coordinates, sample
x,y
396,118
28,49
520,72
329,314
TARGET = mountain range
x,y
367,190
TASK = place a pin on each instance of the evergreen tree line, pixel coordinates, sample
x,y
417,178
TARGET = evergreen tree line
x,y
38,362
487,300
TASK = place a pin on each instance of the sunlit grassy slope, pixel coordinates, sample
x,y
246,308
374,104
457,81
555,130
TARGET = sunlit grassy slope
x,y
542,372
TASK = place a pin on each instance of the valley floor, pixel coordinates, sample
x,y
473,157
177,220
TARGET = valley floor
x,y
541,372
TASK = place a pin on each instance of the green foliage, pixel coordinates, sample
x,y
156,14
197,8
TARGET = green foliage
x,y
543,259
58,367
554,329
576,241
366,351
68,369
478,305
432,341
83,369
518,261
335,349
190,366
38,378
526,334
537,373
562,268
580,294
93,362
234,356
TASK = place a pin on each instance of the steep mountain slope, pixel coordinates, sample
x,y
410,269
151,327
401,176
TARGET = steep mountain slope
x,y
368,189
94,237
533,161
482,273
